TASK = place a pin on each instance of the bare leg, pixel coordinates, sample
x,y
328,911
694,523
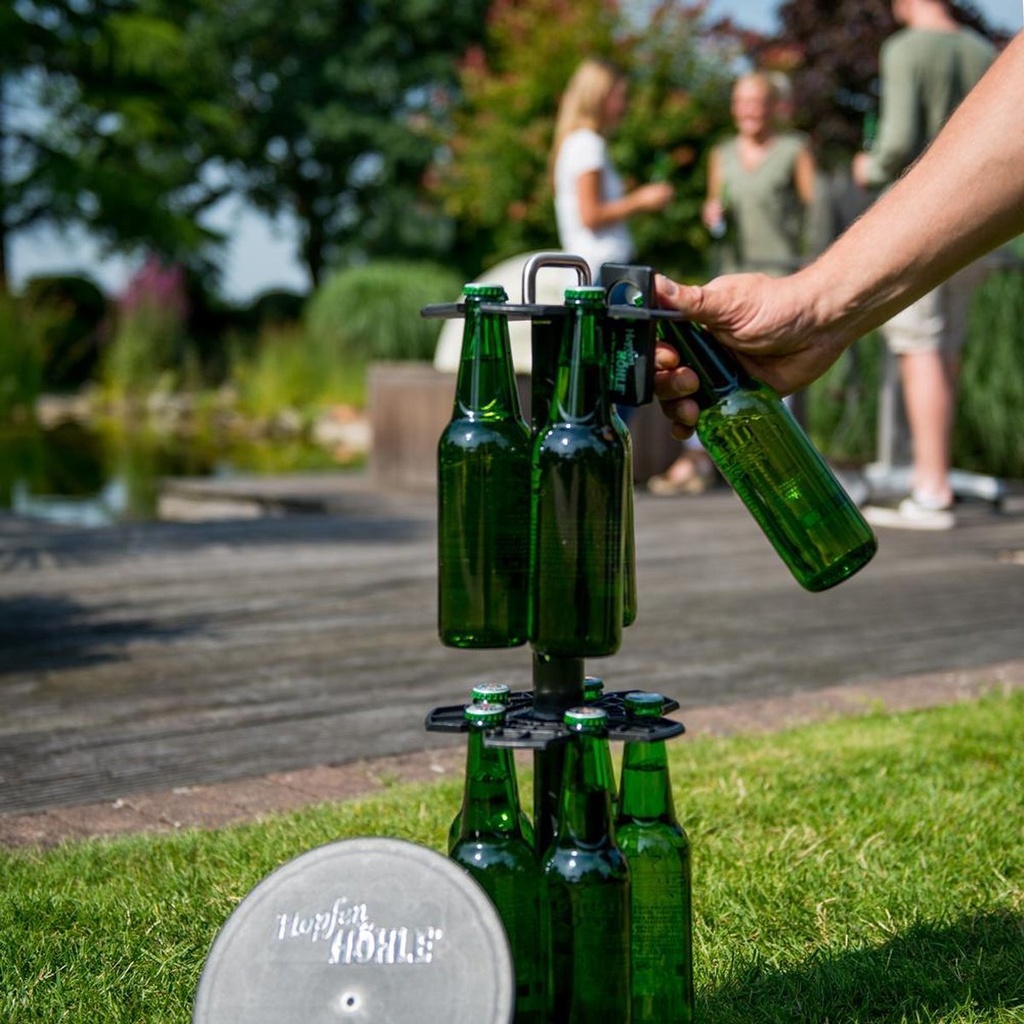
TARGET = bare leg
x,y
929,393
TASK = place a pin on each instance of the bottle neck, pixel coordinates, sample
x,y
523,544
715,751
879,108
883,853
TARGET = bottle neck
x,y
581,386
489,805
646,794
486,386
717,369
585,810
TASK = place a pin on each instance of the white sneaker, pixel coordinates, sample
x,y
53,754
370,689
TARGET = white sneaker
x,y
911,514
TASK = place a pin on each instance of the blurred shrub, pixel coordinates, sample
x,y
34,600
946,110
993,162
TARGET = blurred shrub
x,y
275,308
77,310
988,436
23,332
842,406
148,347
283,371
373,312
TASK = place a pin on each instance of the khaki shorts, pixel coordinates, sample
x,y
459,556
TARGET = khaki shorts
x,y
938,320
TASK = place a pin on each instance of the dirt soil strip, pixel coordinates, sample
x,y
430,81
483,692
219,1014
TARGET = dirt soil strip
x,y
224,803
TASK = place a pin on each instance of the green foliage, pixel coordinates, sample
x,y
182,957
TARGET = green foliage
x,y
496,181
373,312
276,307
988,437
150,113
337,105
843,404
866,871
289,371
23,331
124,125
147,351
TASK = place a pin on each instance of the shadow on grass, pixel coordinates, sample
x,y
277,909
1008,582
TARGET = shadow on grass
x,y
974,964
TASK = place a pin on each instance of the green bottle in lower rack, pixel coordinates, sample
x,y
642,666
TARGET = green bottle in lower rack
x,y
585,904
658,853
491,847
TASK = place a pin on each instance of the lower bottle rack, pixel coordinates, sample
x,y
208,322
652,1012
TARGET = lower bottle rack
x,y
526,730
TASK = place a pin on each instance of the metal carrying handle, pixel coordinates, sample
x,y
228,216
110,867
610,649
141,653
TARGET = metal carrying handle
x,y
551,259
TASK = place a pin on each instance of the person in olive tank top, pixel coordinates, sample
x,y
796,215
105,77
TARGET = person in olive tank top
x,y
760,182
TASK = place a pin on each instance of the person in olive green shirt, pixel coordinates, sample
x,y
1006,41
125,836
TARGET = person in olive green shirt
x,y
927,67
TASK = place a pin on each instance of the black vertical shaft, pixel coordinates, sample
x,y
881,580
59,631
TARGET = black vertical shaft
x,y
557,686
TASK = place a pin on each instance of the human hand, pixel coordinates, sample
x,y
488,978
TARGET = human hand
x,y
767,321
860,170
653,197
712,214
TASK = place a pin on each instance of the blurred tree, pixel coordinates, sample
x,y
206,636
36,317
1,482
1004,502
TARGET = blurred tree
x,y
494,177
336,103
109,120
830,49
139,114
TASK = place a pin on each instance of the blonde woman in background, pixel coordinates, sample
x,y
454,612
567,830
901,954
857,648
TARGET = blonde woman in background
x,y
591,201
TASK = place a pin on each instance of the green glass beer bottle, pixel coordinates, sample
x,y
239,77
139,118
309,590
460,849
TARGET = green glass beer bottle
x,y
585,901
492,848
499,694
483,491
577,547
629,593
787,486
658,854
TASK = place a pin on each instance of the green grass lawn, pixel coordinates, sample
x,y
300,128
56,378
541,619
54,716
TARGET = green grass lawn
x,y
869,869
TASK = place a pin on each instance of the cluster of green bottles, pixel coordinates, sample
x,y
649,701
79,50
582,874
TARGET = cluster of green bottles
x,y
535,545
535,533
599,922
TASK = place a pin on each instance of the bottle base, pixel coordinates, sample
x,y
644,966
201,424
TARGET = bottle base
x,y
840,571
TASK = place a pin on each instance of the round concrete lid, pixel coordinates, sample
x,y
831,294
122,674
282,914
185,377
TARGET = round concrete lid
x,y
370,929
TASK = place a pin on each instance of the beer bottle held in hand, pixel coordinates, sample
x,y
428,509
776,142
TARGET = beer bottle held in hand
x,y
496,693
658,853
492,848
577,546
483,491
585,902
762,452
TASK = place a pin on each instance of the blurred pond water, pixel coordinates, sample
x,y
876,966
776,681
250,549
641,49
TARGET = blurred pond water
x,y
83,476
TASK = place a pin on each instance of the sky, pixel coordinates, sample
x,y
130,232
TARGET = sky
x,y
260,254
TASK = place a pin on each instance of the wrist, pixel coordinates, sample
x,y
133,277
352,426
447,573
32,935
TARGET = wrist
x,y
831,306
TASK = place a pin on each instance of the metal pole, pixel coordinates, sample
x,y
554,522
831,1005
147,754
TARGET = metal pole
x,y
557,686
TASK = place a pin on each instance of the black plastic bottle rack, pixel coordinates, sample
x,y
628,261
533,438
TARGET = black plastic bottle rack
x,y
534,720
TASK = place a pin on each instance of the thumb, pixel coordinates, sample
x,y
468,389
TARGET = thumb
x,y
672,295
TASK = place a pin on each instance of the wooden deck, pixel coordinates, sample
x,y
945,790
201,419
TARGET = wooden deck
x,y
158,655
